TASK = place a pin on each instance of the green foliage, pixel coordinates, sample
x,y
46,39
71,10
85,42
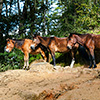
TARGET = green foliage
x,y
88,16
78,16
14,60
34,57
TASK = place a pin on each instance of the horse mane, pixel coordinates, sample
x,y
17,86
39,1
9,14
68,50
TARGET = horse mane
x,y
70,35
18,39
79,34
19,42
74,33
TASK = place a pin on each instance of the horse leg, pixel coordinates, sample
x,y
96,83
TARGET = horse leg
x,y
93,57
90,58
53,57
73,59
72,63
47,55
43,55
26,61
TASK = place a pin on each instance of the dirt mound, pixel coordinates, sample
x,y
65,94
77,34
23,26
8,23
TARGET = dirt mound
x,y
41,66
43,82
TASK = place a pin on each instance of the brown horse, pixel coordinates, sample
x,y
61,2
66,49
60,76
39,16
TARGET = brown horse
x,y
25,46
54,44
90,41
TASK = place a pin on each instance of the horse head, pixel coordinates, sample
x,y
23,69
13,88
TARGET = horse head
x,y
71,41
10,45
35,42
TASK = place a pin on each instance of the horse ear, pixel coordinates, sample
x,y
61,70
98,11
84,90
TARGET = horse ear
x,y
7,39
34,35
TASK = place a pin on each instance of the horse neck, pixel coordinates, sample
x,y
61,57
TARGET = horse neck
x,y
18,44
44,41
80,39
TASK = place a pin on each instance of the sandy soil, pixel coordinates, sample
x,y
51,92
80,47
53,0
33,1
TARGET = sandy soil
x,y
43,82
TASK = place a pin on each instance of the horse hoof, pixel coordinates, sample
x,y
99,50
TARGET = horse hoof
x,y
90,66
54,68
23,68
95,67
27,68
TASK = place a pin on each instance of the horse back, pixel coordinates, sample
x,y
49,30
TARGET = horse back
x,y
61,41
96,39
26,45
92,40
45,41
58,44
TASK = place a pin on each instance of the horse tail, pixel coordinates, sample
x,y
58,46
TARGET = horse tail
x,y
83,53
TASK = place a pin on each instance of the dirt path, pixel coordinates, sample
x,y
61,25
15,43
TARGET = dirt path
x,y
42,82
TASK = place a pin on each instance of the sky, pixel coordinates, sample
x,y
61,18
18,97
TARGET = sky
x,y
13,7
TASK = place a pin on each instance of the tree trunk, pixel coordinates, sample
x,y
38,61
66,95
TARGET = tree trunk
x,y
21,22
20,25
32,15
1,4
6,9
10,7
18,7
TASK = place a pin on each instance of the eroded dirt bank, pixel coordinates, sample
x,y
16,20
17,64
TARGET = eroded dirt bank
x,y
42,82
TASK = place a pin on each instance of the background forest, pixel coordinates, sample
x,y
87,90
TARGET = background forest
x,y
22,18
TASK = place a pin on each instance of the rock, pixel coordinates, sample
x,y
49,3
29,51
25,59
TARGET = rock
x,y
38,66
